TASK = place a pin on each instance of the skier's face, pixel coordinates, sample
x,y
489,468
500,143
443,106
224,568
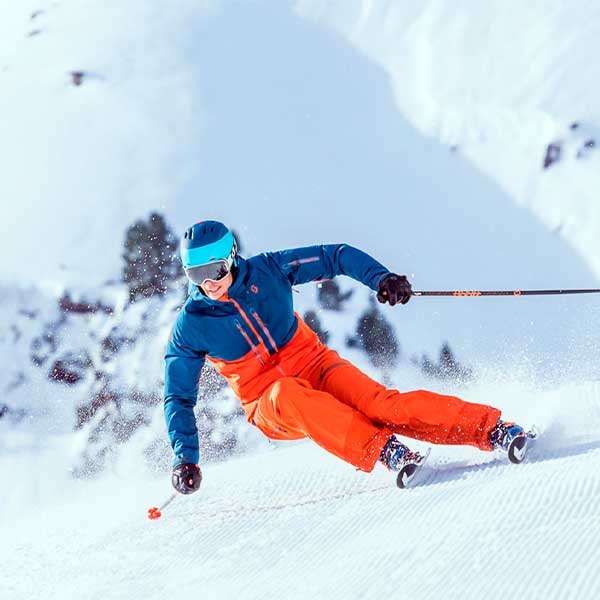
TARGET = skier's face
x,y
215,289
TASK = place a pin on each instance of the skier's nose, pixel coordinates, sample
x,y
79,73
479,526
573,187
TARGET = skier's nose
x,y
211,286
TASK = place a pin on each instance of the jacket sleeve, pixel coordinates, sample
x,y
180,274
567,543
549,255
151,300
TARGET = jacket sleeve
x,y
314,263
182,371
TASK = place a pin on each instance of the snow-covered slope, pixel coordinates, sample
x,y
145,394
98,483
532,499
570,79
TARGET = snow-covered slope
x,y
81,162
291,136
497,83
297,523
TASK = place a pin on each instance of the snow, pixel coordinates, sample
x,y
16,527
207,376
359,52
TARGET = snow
x,y
499,83
295,522
105,152
294,147
413,131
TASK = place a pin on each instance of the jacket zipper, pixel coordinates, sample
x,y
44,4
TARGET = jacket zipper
x,y
256,349
250,343
266,331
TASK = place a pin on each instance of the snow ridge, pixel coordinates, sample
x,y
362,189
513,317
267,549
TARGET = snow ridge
x,y
497,85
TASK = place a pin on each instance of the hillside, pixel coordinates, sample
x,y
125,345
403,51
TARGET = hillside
x,y
510,88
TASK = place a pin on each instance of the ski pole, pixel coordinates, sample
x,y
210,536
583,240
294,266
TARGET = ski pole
x,y
507,292
155,513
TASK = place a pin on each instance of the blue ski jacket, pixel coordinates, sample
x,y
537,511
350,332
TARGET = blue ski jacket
x,y
252,335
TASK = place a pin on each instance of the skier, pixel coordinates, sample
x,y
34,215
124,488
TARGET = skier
x,y
239,316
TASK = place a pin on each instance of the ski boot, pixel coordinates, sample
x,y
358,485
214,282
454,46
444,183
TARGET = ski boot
x,y
513,439
400,459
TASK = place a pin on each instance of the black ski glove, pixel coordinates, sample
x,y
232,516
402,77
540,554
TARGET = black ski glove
x,y
186,478
393,289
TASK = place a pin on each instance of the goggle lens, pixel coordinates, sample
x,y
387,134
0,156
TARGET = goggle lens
x,y
214,271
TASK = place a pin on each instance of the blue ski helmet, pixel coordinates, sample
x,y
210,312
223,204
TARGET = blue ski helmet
x,y
207,242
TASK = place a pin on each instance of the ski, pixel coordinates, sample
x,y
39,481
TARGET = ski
x,y
409,474
413,473
518,448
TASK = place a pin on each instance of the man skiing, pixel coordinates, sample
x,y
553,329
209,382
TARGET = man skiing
x,y
239,315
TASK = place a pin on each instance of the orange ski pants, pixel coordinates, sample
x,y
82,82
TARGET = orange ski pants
x,y
352,416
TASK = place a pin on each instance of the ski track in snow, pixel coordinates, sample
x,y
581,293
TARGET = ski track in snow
x,y
297,523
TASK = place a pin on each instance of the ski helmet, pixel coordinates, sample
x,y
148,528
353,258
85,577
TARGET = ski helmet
x,y
208,251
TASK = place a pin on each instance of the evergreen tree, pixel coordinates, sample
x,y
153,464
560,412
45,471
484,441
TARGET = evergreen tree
x,y
377,338
312,320
150,257
428,367
448,368
330,297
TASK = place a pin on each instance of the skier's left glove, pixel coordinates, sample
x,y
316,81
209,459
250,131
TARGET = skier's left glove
x,y
186,478
393,289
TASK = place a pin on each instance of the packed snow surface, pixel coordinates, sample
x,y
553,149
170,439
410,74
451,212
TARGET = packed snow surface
x,y
294,522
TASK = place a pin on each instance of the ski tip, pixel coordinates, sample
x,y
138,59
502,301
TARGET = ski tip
x,y
518,449
407,476
521,445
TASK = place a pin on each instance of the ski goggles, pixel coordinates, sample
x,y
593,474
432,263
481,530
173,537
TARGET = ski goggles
x,y
214,271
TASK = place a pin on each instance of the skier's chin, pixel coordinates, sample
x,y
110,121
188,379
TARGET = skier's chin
x,y
216,294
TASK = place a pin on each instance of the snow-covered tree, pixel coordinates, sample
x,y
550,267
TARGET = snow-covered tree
x,y
330,297
311,318
150,257
376,337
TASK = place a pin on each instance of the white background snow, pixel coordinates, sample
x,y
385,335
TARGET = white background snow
x,y
414,131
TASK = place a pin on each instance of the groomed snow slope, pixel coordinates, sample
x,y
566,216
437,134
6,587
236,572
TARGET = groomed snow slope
x,y
295,522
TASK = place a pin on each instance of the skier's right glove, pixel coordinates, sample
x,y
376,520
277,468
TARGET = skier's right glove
x,y
393,289
186,478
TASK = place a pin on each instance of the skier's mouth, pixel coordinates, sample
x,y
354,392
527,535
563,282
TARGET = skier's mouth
x,y
216,293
